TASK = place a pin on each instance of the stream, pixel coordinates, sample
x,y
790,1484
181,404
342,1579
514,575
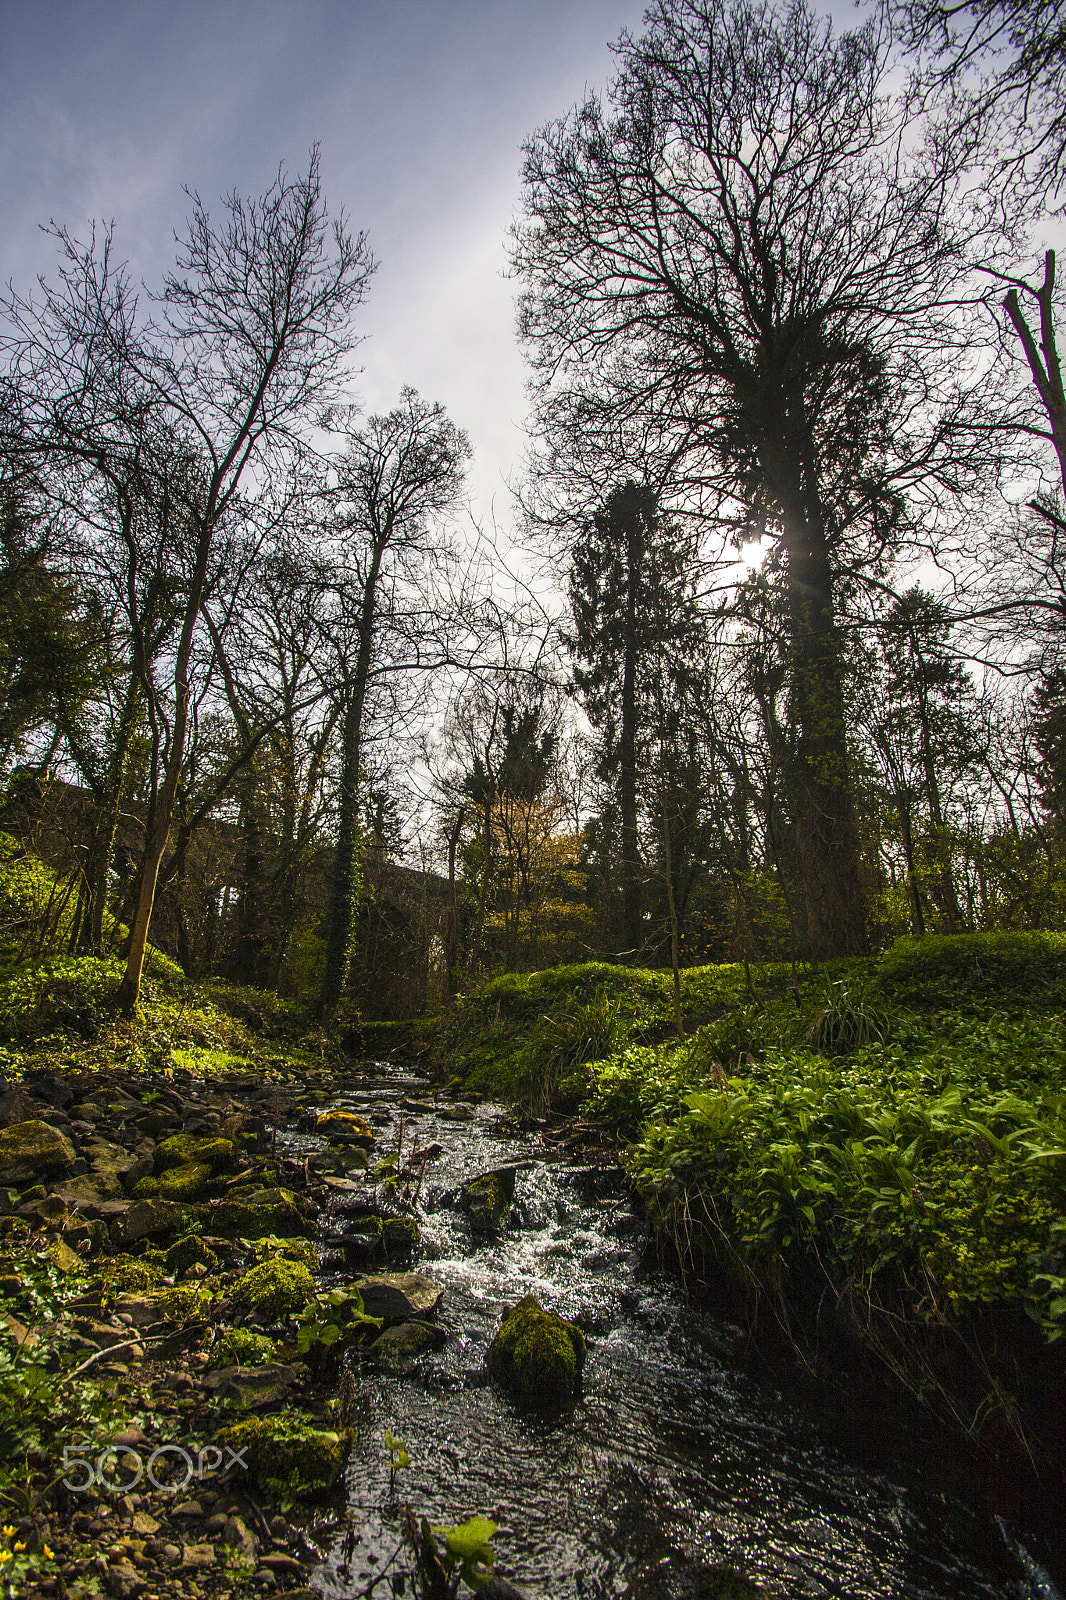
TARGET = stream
x,y
682,1461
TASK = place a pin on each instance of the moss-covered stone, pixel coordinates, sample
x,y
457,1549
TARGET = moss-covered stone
x,y
184,1149
189,1252
537,1355
32,1150
288,1459
177,1183
399,1235
240,1347
237,1219
275,1289
125,1274
487,1199
184,1302
345,1127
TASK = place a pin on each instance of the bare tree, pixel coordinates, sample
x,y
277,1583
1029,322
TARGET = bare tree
x,y
245,345
740,257
400,473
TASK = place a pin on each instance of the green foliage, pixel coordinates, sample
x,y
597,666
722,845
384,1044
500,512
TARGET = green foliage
x,y
333,1316
1007,969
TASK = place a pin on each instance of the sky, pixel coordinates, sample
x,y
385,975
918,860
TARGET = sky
x,y
109,107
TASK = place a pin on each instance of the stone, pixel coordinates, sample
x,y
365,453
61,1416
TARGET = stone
x,y
399,1347
184,1149
537,1355
345,1127
239,1539
87,1194
148,1219
15,1107
398,1297
487,1199
275,1289
197,1557
252,1387
33,1150
144,1526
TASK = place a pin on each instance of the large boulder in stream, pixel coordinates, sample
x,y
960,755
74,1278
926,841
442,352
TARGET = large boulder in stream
x,y
487,1199
538,1356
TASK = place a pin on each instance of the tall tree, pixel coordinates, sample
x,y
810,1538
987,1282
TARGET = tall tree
x,y
247,344
400,473
629,592
739,253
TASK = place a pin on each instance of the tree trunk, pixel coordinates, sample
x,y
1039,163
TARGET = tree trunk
x,y
827,839
632,922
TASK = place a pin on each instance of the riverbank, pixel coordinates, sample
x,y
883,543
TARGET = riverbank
x,y
873,1153
668,1475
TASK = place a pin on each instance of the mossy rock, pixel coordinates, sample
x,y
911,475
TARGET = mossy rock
x,y
131,1274
190,1252
345,1127
275,1289
487,1199
185,1302
187,1182
399,1235
537,1355
33,1149
184,1149
237,1219
286,1459
240,1347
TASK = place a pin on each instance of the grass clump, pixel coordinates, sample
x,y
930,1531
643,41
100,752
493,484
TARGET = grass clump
x,y
240,1347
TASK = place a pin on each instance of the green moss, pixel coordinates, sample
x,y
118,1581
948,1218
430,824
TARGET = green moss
x,y
240,1347
126,1274
189,1252
537,1355
184,1302
399,1235
236,1219
275,1289
287,1456
187,1182
183,1149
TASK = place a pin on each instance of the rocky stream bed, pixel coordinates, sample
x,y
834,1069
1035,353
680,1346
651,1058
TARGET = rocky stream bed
x,y
196,1243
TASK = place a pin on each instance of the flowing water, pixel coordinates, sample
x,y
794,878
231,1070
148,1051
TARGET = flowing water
x,y
680,1463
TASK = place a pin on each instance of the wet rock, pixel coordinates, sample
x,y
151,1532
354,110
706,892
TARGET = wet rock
x,y
345,1127
537,1355
399,1347
487,1199
33,1150
399,1297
